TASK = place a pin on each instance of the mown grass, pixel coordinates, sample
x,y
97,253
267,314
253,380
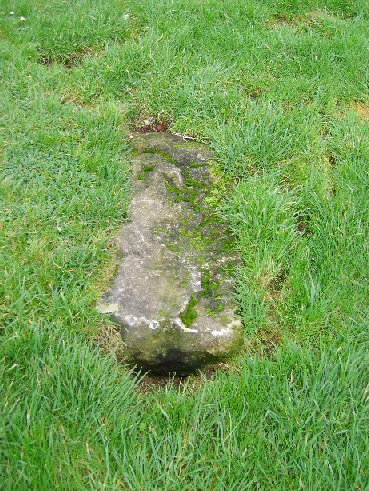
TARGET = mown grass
x,y
279,90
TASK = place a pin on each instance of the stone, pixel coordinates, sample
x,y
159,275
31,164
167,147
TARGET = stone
x,y
172,296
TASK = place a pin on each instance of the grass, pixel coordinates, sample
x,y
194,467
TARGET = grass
x,y
279,91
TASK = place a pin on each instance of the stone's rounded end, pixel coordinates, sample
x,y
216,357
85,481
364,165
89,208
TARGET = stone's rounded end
x,y
172,347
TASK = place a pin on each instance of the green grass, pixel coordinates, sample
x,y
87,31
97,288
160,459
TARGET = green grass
x,y
279,90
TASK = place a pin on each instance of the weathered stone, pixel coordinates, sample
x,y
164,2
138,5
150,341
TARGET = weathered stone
x,y
172,296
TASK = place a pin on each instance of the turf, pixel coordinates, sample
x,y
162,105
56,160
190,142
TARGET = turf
x,y
279,90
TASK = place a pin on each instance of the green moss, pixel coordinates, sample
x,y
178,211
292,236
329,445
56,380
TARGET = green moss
x,y
210,290
192,183
208,285
188,194
172,247
189,314
163,154
144,172
176,192
196,166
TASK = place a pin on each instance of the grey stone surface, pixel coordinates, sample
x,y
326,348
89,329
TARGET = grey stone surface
x,y
172,296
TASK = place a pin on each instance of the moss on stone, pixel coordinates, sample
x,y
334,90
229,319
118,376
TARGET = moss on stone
x,y
189,314
144,172
208,285
162,153
197,166
135,152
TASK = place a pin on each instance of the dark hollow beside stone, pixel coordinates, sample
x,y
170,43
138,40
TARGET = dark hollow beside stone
x,y
172,295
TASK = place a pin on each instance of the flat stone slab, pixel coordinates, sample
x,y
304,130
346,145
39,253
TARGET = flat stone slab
x,y
172,295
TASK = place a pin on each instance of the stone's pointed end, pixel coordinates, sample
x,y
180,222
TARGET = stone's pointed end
x,y
172,296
